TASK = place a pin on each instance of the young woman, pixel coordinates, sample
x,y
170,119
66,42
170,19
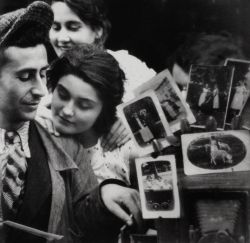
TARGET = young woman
x,y
87,85
84,21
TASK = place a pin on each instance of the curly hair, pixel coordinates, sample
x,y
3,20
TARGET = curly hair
x,y
93,13
98,68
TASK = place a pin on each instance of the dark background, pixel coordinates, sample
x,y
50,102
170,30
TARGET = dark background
x,y
153,29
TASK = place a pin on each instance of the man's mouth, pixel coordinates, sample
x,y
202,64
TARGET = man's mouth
x,y
64,47
34,103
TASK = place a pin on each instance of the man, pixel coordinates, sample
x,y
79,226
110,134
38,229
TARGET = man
x,y
40,184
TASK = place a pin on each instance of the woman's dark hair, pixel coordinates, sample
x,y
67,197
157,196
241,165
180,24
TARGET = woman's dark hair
x,y
92,13
98,68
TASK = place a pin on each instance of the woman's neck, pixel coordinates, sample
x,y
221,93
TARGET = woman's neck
x,y
88,138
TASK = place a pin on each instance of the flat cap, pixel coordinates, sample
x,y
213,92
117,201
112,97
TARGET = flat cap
x,y
37,13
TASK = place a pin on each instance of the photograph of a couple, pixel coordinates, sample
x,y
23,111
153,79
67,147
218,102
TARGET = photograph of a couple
x,y
208,93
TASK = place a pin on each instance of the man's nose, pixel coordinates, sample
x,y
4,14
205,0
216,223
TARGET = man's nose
x,y
39,89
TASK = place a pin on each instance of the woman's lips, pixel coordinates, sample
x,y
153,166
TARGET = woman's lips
x,y
64,120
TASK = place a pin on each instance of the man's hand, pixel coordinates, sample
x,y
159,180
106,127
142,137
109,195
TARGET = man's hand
x,y
122,202
117,136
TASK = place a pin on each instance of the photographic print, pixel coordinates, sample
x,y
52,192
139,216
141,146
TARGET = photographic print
x,y
170,98
208,93
240,86
245,116
157,181
145,120
216,152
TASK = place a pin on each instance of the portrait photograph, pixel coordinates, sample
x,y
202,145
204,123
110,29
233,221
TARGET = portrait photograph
x,y
240,86
170,98
157,181
208,93
216,152
145,120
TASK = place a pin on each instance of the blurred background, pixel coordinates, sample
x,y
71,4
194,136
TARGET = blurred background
x,y
153,29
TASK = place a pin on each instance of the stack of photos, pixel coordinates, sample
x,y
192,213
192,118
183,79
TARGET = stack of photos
x,y
240,86
157,180
208,93
170,98
216,152
245,116
145,120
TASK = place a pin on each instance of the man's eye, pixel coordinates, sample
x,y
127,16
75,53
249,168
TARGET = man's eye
x,y
43,74
24,77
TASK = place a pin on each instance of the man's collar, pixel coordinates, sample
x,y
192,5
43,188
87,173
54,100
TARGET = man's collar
x,y
59,159
23,132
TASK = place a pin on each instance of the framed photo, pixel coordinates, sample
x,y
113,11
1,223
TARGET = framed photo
x,y
240,86
216,152
157,180
170,98
208,93
245,115
145,120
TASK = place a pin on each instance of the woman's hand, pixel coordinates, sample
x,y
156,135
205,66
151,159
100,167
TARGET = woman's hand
x,y
44,117
117,136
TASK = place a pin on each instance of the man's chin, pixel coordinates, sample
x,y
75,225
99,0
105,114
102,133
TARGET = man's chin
x,y
29,116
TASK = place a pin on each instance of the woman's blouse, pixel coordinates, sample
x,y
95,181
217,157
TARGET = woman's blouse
x,y
107,165
136,72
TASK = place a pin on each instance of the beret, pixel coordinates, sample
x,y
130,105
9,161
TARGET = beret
x,y
37,13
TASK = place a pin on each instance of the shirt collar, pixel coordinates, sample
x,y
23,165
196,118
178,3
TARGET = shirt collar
x,y
23,132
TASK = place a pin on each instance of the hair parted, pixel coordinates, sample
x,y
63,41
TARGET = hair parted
x,y
92,13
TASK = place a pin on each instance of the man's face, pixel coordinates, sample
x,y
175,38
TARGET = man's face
x,y
22,84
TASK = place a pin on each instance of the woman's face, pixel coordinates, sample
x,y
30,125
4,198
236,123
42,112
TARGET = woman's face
x,y
68,29
75,105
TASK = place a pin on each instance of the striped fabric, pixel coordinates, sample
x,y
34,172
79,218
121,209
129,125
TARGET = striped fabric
x,y
14,166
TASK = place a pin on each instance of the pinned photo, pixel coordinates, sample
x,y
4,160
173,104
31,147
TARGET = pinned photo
x,y
240,86
170,98
216,152
145,120
157,181
208,93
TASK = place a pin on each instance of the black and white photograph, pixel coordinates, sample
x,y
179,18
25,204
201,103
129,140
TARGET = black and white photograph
x,y
244,116
170,98
145,120
240,86
216,152
89,88
157,181
208,93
